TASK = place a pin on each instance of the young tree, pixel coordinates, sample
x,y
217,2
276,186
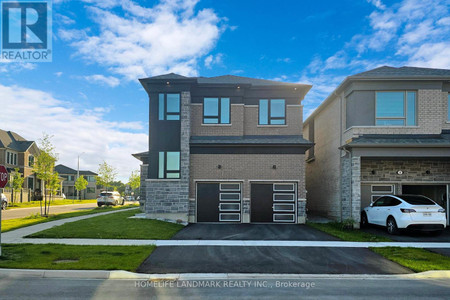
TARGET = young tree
x,y
106,175
135,180
17,183
53,185
44,165
81,184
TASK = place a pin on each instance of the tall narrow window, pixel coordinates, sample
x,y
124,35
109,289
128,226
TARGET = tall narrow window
x,y
396,108
169,165
169,107
30,160
216,111
272,112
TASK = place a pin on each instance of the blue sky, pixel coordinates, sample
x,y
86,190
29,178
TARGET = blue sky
x,y
89,97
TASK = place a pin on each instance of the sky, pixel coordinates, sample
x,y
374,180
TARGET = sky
x,y
89,98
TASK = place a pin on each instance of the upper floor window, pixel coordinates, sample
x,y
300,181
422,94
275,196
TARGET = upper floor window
x,y
216,111
169,107
396,108
11,158
30,160
169,165
272,112
90,178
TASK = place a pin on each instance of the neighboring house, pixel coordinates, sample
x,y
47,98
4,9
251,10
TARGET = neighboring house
x,y
384,131
70,176
224,149
17,152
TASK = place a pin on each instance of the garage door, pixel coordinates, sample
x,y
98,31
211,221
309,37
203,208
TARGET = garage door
x,y
273,202
219,202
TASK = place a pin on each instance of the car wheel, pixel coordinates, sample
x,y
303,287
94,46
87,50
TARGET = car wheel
x,y
4,205
364,221
391,226
123,202
99,204
115,203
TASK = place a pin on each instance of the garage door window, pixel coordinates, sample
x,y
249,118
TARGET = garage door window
x,y
230,187
283,187
169,165
283,197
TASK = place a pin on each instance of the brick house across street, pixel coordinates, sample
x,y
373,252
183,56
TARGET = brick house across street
x,y
68,185
384,131
224,149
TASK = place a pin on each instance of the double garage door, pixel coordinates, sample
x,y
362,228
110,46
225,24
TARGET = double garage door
x,y
269,202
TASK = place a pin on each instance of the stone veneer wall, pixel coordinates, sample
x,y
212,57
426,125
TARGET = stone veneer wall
x,y
169,198
351,189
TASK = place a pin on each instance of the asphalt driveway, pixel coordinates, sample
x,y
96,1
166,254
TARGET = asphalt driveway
x,y
275,260
258,232
263,259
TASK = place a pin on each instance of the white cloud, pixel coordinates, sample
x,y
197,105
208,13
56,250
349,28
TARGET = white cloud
x,y
377,3
73,132
169,37
58,74
211,60
104,80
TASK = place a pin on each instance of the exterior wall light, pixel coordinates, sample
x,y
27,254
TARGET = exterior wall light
x,y
428,172
373,172
400,172
219,166
274,167
168,83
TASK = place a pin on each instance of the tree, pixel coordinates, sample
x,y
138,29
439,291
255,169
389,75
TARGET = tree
x,y
106,175
118,186
44,165
135,180
17,182
81,183
53,185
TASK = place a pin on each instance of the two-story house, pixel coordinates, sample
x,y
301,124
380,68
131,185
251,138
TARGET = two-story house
x,y
224,149
384,131
17,152
68,185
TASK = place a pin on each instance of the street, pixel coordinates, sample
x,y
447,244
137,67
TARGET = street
x,y
245,287
56,209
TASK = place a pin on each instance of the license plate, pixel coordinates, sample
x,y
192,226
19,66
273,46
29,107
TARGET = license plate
x,y
427,214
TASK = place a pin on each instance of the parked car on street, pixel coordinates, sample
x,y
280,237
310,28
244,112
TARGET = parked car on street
x,y
397,212
4,201
110,198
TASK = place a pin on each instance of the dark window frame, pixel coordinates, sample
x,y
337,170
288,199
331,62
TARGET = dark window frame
x,y
165,112
405,109
269,117
219,111
165,171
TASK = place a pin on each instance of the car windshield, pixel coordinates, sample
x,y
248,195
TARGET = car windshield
x,y
417,200
105,194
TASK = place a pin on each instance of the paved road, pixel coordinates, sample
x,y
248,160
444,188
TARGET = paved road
x,y
56,209
270,288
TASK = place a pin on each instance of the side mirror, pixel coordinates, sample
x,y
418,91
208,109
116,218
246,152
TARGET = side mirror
x,y
371,204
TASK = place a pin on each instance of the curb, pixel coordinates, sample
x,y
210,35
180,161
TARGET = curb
x,y
125,275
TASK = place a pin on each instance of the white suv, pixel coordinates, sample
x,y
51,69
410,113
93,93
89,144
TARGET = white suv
x,y
109,198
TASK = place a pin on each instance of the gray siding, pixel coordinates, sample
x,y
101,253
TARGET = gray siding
x,y
360,109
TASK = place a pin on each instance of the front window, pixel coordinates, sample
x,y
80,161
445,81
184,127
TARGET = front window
x,y
216,111
90,178
396,108
30,160
169,165
272,112
169,107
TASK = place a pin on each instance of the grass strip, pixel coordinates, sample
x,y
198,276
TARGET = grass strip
x,y
113,226
53,202
70,257
416,259
354,235
34,219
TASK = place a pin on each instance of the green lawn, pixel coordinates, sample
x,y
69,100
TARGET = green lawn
x,y
69,257
336,229
418,260
113,226
54,202
8,225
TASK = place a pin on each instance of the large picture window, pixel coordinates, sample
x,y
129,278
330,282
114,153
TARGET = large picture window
x,y
396,108
272,112
169,107
169,165
216,111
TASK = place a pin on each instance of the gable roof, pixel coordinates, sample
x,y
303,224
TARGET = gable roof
x,y
385,73
65,170
13,141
